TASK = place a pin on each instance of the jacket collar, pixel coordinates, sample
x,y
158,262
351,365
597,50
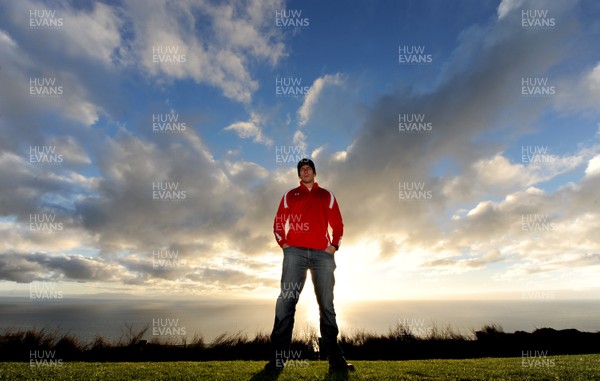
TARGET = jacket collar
x,y
315,185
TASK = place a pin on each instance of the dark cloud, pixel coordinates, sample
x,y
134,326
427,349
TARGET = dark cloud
x,y
28,267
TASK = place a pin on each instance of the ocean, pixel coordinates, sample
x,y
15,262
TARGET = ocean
x,y
86,318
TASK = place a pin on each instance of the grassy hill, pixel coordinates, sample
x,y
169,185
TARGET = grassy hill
x,y
399,344
536,367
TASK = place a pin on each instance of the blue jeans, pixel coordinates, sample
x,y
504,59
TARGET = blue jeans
x,y
296,262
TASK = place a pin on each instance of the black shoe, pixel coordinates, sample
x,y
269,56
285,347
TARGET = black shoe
x,y
341,365
274,366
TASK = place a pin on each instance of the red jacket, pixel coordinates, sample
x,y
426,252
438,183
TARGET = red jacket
x,y
307,215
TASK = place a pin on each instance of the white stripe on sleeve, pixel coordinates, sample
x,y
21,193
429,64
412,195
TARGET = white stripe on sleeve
x,y
332,200
285,204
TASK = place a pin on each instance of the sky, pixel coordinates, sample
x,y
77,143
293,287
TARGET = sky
x,y
145,145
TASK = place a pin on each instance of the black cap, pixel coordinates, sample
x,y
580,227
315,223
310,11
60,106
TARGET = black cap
x,y
306,161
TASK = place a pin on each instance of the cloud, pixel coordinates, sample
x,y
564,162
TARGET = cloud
x,y
69,149
250,129
580,93
130,270
95,34
245,174
388,248
229,279
535,230
86,46
92,33
498,175
299,140
465,263
23,76
28,267
593,168
314,92
212,44
230,37
116,217
506,6
557,264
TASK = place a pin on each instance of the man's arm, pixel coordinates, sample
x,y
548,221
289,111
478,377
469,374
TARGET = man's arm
x,y
337,225
279,223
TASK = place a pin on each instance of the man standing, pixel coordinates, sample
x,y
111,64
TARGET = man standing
x,y
307,211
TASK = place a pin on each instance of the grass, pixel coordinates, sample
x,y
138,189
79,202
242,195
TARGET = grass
x,y
398,344
572,367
